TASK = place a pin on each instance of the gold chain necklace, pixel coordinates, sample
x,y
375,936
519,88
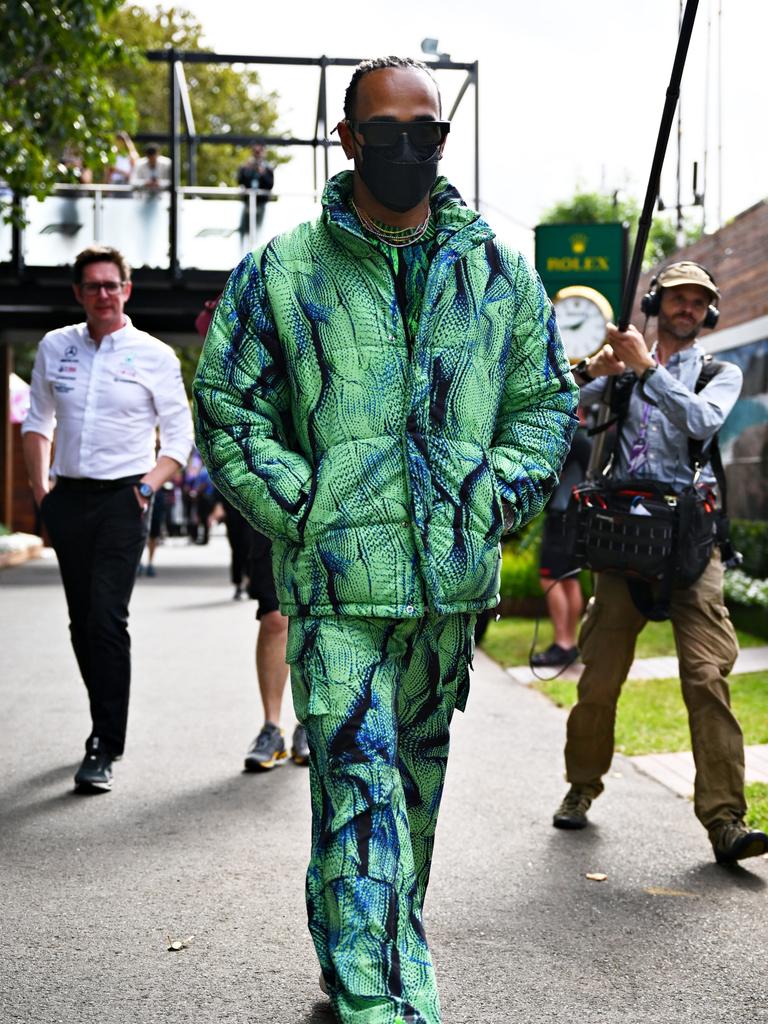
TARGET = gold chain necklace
x,y
397,237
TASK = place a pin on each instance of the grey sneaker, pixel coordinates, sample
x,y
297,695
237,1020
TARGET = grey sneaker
x,y
733,841
96,770
572,812
267,750
299,746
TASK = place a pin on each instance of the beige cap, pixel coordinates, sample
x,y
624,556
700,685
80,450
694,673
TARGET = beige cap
x,y
685,272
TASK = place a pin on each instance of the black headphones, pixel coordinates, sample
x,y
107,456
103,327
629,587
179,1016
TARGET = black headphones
x,y
650,304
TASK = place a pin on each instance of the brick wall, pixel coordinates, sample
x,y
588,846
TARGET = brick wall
x,y
737,257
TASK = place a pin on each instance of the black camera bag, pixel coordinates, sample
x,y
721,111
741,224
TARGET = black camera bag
x,y
642,529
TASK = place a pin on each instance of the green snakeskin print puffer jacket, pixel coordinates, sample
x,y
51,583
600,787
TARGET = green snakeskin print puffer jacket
x,y
383,461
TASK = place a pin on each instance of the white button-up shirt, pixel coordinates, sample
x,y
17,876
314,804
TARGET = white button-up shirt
x,y
104,402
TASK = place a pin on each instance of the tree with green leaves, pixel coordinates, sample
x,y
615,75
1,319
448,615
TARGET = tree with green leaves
x,y
59,110
223,99
600,208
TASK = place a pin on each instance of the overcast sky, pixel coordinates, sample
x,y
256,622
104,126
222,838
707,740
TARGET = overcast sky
x,y
571,93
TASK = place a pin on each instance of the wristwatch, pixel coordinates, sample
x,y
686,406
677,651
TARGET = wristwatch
x,y
145,490
583,371
647,373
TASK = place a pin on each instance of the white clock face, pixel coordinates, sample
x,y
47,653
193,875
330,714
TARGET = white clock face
x,y
582,325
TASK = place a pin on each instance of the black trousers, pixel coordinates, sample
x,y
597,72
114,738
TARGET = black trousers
x,y
98,536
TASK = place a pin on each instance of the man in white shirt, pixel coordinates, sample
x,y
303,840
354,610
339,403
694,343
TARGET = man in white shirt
x,y
153,171
103,387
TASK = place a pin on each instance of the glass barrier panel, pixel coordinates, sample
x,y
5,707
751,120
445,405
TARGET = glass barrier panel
x,y
213,232
58,228
137,224
284,212
216,232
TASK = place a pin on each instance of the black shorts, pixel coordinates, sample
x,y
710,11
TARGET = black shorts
x,y
261,582
554,557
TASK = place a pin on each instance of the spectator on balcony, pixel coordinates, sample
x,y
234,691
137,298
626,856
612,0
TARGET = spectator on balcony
x,y
258,174
120,171
153,171
71,166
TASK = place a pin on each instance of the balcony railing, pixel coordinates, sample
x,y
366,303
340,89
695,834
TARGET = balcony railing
x,y
212,230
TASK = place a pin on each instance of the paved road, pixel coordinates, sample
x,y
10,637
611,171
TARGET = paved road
x,y
188,845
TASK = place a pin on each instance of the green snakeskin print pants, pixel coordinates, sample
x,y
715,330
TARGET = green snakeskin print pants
x,y
376,697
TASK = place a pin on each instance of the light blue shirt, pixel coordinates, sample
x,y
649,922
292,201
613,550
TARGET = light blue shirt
x,y
676,414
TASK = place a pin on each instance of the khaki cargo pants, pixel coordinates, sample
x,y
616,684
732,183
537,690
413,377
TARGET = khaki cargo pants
x,y
706,649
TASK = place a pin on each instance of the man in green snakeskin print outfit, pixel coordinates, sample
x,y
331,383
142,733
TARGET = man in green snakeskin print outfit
x,y
383,392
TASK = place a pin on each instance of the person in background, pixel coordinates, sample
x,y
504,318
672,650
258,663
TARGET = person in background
x,y
565,602
153,171
120,171
666,410
158,527
256,173
100,389
268,748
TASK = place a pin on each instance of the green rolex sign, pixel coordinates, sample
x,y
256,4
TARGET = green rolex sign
x,y
586,254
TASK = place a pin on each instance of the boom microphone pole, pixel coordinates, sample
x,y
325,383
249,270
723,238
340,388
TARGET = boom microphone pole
x,y
644,224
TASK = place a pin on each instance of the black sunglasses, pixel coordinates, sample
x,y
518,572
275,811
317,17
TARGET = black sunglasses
x,y
387,133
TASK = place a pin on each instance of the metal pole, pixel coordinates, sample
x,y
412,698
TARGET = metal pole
x,y
476,73
646,217
175,150
679,236
17,237
98,215
192,159
252,219
719,116
323,111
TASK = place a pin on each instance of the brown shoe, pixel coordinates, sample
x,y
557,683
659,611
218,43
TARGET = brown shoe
x,y
572,812
733,841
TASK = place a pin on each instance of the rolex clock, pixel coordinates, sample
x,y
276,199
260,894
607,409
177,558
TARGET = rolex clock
x,y
582,315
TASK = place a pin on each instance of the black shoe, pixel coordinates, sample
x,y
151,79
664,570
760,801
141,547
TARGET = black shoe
x,y
572,812
733,841
555,656
267,750
96,770
299,746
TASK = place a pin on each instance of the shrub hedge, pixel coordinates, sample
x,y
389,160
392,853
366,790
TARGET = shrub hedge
x,y
750,537
520,559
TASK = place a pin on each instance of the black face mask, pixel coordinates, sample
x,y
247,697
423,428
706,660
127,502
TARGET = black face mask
x,y
399,176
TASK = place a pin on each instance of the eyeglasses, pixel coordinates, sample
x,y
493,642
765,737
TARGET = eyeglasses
x,y
387,133
94,287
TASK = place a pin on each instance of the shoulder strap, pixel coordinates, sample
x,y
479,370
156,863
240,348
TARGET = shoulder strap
x,y
621,393
709,371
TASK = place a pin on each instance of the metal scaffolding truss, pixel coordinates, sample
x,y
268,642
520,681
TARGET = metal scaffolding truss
x,y
180,107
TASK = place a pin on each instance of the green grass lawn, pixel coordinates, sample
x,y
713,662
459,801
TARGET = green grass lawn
x,y
757,800
651,717
509,640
